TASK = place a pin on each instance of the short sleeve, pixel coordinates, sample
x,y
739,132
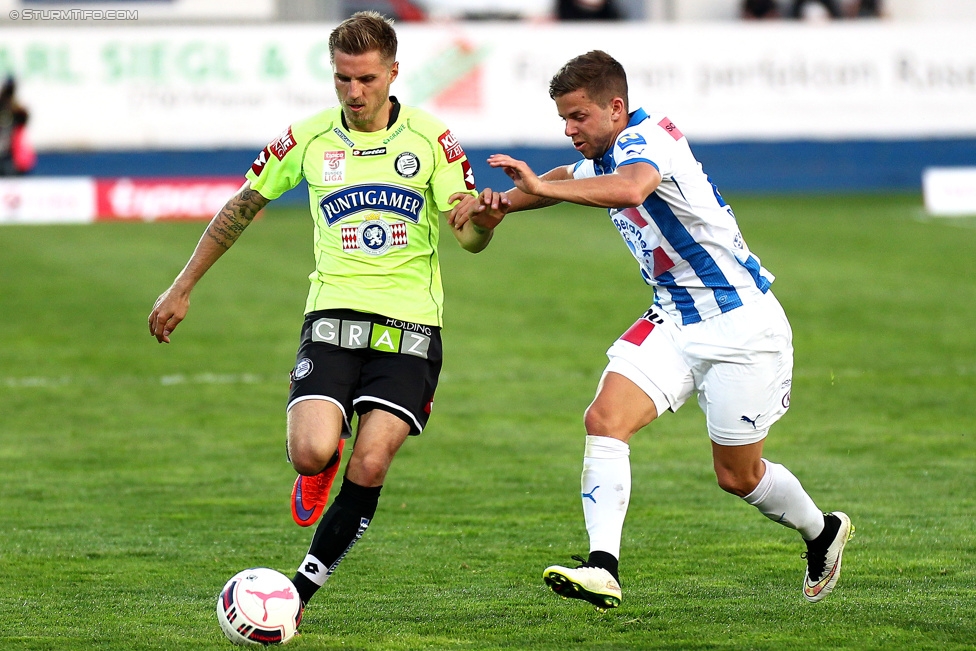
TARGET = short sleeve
x,y
278,167
583,169
633,147
655,141
452,171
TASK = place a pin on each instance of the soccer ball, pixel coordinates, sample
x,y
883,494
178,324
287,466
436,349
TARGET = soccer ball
x,y
259,606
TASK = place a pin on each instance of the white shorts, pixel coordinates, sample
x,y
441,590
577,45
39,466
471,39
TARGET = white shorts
x,y
740,363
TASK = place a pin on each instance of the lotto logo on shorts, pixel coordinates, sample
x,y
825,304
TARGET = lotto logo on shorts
x,y
393,337
638,333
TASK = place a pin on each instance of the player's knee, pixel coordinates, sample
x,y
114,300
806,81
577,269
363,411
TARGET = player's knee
x,y
736,483
302,467
309,459
600,421
308,464
368,469
594,421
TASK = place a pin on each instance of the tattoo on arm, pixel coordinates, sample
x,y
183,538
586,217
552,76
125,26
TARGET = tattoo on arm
x,y
540,202
235,216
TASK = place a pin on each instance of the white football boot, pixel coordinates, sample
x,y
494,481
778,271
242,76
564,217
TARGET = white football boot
x,y
824,555
593,584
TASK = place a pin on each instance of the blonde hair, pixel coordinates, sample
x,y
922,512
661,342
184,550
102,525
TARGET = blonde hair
x,y
364,31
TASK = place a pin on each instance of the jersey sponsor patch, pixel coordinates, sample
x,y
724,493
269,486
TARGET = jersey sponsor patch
x,y
283,144
452,148
468,175
670,127
258,165
390,337
375,151
343,137
400,129
634,215
380,197
633,228
374,237
334,167
638,333
278,147
630,139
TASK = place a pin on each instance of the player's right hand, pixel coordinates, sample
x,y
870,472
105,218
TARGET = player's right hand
x,y
459,213
170,308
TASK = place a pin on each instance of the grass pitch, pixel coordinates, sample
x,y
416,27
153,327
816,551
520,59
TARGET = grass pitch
x,y
136,478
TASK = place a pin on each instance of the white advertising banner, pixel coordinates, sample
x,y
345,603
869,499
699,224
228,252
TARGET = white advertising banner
x,y
949,191
135,87
47,201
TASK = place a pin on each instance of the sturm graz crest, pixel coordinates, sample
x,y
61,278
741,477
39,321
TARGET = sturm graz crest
x,y
407,164
303,368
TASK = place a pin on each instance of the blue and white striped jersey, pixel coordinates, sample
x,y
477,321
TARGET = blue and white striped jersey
x,y
684,236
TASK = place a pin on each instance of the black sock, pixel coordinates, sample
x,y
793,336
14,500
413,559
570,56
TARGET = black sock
x,y
831,525
341,526
605,560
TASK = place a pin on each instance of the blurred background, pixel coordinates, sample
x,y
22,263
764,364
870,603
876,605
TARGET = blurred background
x,y
774,96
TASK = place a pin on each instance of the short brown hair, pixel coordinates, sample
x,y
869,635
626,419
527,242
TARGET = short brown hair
x,y
596,72
364,31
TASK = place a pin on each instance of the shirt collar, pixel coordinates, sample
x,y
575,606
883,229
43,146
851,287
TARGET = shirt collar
x,y
394,115
606,161
637,117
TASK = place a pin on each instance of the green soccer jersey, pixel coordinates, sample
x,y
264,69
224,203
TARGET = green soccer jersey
x,y
375,199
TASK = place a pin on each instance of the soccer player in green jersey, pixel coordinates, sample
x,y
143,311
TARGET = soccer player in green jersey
x,y
380,176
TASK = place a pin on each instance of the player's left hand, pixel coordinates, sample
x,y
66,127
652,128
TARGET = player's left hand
x,y
486,210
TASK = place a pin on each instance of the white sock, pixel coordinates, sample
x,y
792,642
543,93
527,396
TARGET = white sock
x,y
605,491
780,497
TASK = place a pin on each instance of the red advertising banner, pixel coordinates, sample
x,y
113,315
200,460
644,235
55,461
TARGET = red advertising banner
x,y
163,198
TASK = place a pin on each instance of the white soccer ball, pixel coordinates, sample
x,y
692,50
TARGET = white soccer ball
x,y
259,606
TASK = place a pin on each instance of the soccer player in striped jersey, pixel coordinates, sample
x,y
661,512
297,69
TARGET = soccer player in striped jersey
x,y
714,331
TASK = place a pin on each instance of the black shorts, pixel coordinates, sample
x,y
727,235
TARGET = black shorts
x,y
361,362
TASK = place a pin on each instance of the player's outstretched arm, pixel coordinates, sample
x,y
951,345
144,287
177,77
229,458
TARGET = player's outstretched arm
x,y
526,193
628,186
489,208
224,229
